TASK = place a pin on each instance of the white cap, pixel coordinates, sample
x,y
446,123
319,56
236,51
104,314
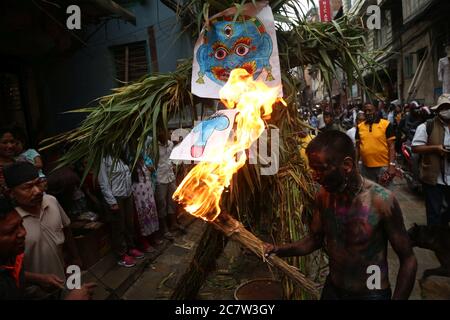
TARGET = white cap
x,y
444,99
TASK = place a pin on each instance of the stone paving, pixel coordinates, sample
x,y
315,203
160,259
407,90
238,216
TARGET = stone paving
x,y
160,278
413,209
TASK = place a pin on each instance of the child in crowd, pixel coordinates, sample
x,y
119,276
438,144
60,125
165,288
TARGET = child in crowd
x,y
28,154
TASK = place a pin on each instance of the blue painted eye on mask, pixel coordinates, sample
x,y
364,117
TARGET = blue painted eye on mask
x,y
234,44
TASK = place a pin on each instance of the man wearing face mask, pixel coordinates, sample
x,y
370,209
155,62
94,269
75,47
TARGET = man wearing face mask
x,y
353,219
375,145
432,142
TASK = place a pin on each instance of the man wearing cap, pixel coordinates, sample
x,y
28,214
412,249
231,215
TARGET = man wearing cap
x,y
432,141
46,223
12,275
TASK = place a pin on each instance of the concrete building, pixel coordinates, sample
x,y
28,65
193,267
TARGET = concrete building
x,y
315,91
425,33
411,41
47,69
347,4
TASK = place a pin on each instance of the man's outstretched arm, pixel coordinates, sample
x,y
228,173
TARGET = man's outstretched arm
x,y
303,247
399,239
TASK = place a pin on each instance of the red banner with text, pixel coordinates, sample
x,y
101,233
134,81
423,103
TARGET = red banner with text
x,y
325,11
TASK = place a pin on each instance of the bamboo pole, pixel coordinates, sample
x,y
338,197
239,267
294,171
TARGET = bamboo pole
x,y
236,232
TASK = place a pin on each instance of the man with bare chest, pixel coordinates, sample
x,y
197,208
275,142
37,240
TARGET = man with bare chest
x,y
353,220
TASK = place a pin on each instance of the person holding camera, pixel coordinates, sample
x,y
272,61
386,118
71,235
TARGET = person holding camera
x,y
432,142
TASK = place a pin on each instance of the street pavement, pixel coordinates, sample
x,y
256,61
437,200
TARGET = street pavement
x,y
158,275
413,209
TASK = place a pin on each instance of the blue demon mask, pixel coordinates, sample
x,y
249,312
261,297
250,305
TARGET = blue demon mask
x,y
229,44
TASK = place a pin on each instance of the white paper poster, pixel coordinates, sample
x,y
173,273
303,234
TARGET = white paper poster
x,y
249,42
207,141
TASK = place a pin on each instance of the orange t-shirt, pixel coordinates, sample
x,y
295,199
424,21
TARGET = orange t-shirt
x,y
373,143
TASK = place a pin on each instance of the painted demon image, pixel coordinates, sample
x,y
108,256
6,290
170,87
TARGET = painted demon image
x,y
230,44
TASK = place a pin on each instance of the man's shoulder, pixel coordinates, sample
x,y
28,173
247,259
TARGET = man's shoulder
x,y
362,125
422,127
421,135
382,199
378,190
54,209
384,122
50,201
49,198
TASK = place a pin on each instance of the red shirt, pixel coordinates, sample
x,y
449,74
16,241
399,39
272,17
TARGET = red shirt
x,y
15,269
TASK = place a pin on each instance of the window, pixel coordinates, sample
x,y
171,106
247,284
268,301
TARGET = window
x,y
130,61
386,27
409,66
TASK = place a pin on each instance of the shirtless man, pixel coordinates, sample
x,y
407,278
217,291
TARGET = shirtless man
x,y
353,220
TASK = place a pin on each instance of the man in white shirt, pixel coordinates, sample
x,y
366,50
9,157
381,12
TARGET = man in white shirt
x,y
115,183
432,141
320,121
444,72
360,117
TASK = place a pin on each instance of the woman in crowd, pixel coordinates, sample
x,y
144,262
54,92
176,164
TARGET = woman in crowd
x,y
144,201
7,153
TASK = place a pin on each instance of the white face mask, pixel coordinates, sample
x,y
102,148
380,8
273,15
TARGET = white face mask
x,y
445,115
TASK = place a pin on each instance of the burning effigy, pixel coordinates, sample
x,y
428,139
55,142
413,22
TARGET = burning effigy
x,y
201,190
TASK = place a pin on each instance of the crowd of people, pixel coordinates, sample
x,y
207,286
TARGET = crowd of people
x,y
38,205
380,130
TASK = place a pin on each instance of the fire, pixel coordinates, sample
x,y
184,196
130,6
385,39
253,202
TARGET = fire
x,y
201,189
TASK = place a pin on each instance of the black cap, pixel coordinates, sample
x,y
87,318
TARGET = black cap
x,y
18,173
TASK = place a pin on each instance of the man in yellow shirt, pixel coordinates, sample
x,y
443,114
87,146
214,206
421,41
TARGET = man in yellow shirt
x,y
375,144
304,139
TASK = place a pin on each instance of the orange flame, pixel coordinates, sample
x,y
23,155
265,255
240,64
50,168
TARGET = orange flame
x,y
201,189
